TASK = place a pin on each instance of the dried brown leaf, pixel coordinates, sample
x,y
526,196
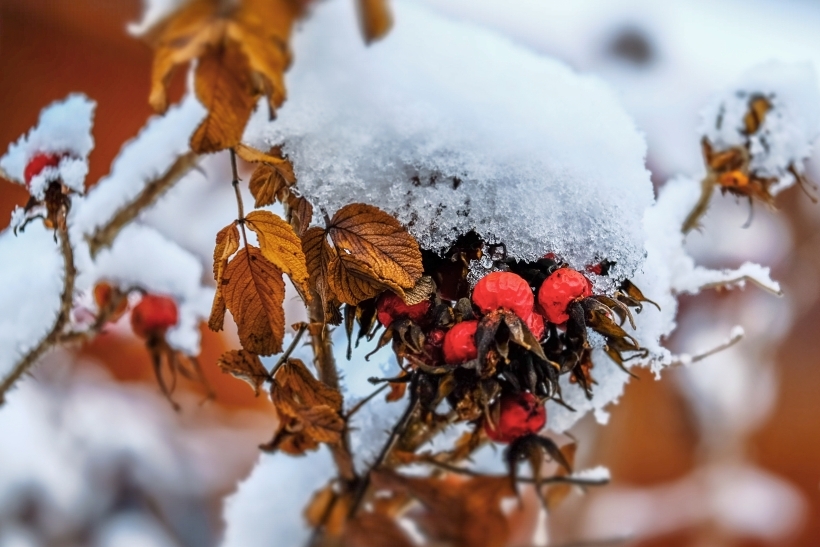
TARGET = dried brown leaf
x,y
244,365
375,530
223,85
227,243
281,246
463,513
299,212
272,177
254,292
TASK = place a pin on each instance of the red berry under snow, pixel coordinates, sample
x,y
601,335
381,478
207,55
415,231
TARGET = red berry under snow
x,y
559,290
39,162
459,343
391,307
154,315
521,414
504,290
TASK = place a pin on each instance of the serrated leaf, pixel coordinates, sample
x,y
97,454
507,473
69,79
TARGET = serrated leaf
x,y
309,410
254,292
246,366
299,213
281,246
223,85
227,243
272,177
370,252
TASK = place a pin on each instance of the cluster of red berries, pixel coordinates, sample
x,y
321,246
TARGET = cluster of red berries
x,y
519,412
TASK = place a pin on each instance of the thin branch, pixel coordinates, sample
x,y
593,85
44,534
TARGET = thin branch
x,y
395,433
739,280
105,235
53,336
283,359
240,206
358,406
566,479
734,339
693,219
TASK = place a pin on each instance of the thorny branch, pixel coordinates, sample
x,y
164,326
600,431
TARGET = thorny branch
x,y
104,236
54,335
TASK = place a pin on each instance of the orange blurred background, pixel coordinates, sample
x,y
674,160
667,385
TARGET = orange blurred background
x,y
50,48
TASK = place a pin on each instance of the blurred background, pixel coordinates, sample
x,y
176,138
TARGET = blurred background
x,y
724,452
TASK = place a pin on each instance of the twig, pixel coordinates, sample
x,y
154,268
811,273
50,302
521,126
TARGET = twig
x,y
53,336
397,430
707,189
358,406
737,281
283,359
105,235
734,339
577,481
240,206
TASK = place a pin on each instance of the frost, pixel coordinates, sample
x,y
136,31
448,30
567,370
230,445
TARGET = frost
x,y
462,130
789,129
64,127
599,473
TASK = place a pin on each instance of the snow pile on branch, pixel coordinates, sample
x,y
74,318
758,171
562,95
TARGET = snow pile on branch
x,y
64,129
789,129
451,128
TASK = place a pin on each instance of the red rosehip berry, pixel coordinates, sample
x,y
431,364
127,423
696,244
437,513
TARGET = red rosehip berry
x,y
459,343
391,307
559,290
520,414
39,162
535,323
154,315
504,290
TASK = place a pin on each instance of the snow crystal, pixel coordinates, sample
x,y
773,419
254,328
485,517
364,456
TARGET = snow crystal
x,y
30,283
599,473
64,127
785,138
452,128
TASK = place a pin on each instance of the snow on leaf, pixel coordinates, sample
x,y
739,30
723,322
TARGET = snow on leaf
x,y
281,246
254,291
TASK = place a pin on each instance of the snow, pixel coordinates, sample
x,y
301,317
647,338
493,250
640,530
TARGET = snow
x,y
547,159
64,127
789,129
142,258
29,291
141,160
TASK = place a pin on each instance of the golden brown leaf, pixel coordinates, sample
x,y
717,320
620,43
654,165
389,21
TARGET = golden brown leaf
x,y
254,291
329,509
309,410
299,212
272,178
370,252
244,365
227,243
375,19
423,290
223,85
281,246
258,30
463,513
